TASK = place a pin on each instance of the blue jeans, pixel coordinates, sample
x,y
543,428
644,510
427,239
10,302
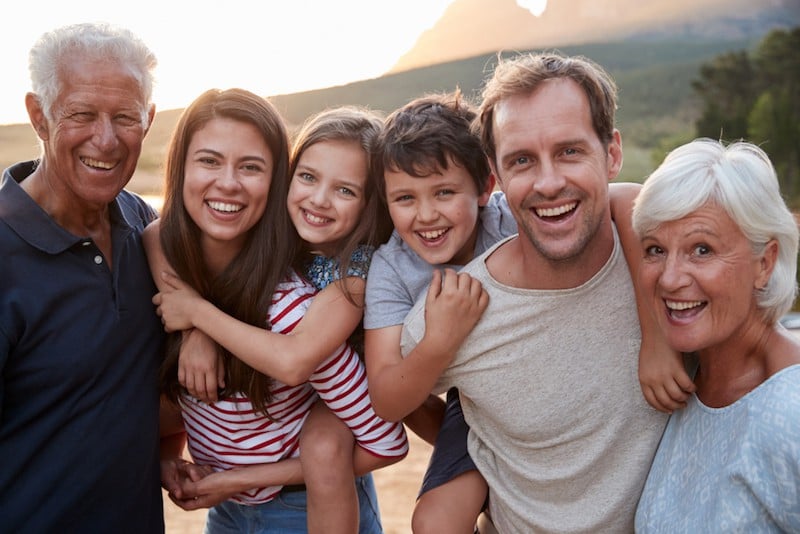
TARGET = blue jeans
x,y
286,514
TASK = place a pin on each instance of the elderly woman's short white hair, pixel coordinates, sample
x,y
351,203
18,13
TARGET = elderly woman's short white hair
x,y
740,179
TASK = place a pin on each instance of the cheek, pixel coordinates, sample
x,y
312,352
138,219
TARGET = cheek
x,y
648,277
397,216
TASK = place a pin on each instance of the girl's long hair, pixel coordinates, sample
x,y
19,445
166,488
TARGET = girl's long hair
x,y
244,290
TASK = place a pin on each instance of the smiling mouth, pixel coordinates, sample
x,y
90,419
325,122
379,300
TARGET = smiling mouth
x,y
681,309
432,235
315,219
554,213
97,164
224,207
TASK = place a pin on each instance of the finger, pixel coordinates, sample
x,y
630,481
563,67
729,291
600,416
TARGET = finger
x,y
156,299
436,283
181,376
676,393
685,382
190,385
209,388
220,373
195,473
652,400
186,504
450,280
434,289
475,287
666,401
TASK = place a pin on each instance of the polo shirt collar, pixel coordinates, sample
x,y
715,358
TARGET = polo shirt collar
x,y
29,221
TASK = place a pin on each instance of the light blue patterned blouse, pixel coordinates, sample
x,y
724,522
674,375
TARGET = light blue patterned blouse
x,y
730,469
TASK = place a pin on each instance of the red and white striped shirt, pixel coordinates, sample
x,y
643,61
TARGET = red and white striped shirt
x,y
230,433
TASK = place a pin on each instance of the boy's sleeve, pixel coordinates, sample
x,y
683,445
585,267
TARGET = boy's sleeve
x,y
496,222
387,299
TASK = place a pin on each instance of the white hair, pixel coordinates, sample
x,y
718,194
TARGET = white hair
x,y
92,41
740,179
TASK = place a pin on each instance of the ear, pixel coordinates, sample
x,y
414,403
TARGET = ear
x,y
614,155
495,174
766,264
36,116
487,191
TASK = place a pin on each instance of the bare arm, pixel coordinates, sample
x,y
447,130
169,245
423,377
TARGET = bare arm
x,y
290,358
398,385
662,376
200,369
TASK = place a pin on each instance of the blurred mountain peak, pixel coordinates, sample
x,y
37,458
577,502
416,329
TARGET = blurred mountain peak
x,y
474,27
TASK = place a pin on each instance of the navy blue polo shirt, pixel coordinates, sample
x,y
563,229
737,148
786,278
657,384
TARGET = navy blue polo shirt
x,y
80,347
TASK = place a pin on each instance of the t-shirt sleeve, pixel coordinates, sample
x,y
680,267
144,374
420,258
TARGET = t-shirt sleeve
x,y
387,299
497,221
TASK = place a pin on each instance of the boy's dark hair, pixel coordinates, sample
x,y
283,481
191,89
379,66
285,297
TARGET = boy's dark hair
x,y
426,136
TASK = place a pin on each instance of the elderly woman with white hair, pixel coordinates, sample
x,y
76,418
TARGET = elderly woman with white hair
x,y
720,257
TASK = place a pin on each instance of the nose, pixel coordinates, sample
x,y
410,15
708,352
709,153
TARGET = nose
x,y
673,274
227,180
426,211
549,181
319,197
105,135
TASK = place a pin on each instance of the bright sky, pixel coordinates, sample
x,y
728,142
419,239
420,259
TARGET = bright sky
x,y
267,47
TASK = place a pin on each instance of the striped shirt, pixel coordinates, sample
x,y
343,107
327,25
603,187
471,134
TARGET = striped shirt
x,y
230,433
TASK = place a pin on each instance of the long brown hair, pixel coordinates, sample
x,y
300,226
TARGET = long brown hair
x,y
244,289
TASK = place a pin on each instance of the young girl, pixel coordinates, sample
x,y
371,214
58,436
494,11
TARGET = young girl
x,y
232,254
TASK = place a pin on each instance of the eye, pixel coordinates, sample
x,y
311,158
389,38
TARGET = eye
x,y
207,160
82,116
403,198
252,167
346,191
701,250
127,120
521,160
653,250
306,177
571,151
444,192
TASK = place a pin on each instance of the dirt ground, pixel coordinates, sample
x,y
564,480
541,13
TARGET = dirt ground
x,y
397,487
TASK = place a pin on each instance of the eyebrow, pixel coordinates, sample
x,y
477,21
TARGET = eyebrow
x,y
222,156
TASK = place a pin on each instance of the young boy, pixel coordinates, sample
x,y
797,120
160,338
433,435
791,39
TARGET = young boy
x,y
437,184
438,189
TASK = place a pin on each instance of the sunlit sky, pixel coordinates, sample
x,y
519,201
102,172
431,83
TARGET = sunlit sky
x,y
268,47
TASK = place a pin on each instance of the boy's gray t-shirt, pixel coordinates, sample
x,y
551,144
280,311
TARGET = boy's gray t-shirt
x,y
398,276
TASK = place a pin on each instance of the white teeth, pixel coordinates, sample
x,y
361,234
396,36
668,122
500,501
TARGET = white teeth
x,y
314,219
680,306
224,206
433,234
555,212
97,163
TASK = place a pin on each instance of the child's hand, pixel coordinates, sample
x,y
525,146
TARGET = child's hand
x,y
200,368
665,384
454,304
176,305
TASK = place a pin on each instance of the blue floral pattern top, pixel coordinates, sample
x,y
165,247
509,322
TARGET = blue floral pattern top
x,y
323,270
